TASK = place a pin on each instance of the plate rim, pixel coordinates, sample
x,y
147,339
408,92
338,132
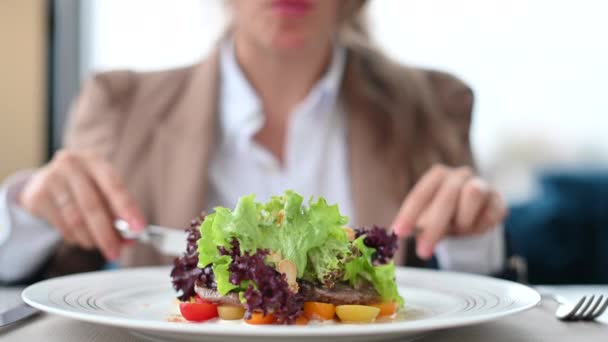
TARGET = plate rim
x,y
282,331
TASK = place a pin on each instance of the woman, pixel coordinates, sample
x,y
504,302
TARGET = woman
x,y
294,96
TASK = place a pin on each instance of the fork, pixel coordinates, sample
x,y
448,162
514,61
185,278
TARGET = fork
x,y
586,309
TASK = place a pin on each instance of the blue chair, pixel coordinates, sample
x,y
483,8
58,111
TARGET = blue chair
x,y
563,232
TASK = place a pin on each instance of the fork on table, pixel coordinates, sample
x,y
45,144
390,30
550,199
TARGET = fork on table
x,y
588,308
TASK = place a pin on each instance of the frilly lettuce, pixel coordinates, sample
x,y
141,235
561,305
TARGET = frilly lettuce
x,y
312,237
382,277
283,226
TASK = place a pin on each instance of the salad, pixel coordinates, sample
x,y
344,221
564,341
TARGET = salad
x,y
285,262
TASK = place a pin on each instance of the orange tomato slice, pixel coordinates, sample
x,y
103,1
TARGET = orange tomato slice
x,y
302,320
386,308
318,310
258,318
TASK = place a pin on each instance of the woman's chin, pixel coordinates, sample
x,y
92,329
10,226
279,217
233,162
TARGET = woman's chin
x,y
292,41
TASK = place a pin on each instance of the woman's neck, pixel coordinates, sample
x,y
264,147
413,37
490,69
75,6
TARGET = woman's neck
x,y
281,81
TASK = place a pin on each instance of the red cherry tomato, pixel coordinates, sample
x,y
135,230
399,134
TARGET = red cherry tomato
x,y
198,311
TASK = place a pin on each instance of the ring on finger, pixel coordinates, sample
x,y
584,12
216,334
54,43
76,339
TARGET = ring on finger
x,y
63,199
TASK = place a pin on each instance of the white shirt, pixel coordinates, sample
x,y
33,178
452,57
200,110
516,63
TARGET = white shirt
x,y
26,242
315,164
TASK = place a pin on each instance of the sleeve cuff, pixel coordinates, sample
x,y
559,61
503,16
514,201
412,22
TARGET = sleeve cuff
x,y
26,241
482,254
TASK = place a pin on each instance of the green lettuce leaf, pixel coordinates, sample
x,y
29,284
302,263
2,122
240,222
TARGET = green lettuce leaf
x,y
222,275
382,277
282,225
326,263
312,237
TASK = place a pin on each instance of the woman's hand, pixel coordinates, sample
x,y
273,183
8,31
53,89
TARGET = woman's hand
x,y
448,201
80,194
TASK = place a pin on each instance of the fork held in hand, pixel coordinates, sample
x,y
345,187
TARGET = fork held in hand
x,y
586,309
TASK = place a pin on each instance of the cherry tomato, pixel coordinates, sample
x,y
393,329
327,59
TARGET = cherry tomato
x,y
198,311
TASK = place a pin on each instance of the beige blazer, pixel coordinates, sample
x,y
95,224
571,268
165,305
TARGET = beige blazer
x,y
158,130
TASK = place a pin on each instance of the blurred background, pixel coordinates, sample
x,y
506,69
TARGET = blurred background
x,y
538,69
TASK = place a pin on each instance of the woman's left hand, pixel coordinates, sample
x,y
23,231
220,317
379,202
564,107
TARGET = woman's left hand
x,y
448,201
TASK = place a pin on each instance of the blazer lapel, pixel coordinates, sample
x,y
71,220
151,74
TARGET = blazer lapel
x,y
377,190
182,142
373,190
187,140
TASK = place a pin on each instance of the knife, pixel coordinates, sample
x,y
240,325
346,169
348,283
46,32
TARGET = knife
x,y
19,312
167,241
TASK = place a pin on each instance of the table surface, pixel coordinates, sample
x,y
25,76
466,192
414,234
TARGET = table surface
x,y
537,324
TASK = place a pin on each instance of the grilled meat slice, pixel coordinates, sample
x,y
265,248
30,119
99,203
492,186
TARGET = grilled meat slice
x,y
340,294
213,296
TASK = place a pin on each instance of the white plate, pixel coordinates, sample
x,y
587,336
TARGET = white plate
x,y
142,300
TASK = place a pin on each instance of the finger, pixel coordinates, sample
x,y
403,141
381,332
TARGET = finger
x,y
38,199
440,213
97,218
70,213
121,202
53,216
492,214
36,196
473,198
418,199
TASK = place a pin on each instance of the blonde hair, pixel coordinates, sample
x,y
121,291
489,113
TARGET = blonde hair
x,y
400,105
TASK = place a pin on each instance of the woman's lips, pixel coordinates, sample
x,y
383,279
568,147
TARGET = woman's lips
x,y
292,8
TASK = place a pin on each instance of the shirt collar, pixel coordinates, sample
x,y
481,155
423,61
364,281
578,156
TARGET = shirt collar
x,y
240,107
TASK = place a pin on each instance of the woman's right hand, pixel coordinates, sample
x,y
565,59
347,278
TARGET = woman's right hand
x,y
81,194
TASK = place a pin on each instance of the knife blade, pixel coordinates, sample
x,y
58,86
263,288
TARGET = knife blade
x,y
19,312
168,241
